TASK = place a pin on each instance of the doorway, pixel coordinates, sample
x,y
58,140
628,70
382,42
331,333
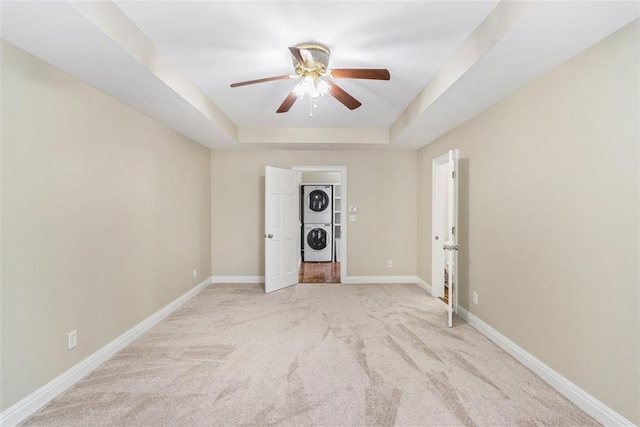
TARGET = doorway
x,y
319,272
333,267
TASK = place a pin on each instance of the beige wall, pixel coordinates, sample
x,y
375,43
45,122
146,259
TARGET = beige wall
x,y
104,215
549,218
382,184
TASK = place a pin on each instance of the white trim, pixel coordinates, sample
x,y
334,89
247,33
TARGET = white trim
x,y
589,404
424,285
237,279
36,400
379,279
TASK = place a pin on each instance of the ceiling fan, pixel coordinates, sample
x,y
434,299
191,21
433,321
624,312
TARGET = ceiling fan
x,y
310,61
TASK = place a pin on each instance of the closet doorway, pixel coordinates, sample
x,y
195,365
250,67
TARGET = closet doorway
x,y
323,245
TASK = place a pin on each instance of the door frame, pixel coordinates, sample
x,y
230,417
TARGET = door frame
x,y
343,188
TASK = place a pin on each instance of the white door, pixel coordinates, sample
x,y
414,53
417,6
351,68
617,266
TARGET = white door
x,y
282,228
439,207
445,230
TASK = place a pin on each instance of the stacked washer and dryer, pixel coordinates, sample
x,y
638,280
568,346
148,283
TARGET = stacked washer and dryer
x,y
317,217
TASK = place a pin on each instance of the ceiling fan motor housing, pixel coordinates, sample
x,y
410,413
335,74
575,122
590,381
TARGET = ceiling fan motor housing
x,y
320,55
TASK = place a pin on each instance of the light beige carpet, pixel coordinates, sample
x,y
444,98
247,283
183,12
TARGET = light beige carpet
x,y
327,355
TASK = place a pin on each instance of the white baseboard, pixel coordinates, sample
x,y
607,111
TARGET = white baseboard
x,y
36,400
348,279
237,279
380,279
589,404
424,285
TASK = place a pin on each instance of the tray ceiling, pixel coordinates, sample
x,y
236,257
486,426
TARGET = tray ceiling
x,y
174,61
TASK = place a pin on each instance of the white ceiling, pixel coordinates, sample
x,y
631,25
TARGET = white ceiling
x,y
174,61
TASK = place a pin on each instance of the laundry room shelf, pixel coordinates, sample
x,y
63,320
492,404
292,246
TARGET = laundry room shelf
x,y
337,219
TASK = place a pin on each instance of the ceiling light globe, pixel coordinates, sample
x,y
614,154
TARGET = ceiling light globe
x,y
323,87
298,90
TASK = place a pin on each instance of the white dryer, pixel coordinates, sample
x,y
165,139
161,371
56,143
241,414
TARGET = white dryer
x,y
318,241
318,204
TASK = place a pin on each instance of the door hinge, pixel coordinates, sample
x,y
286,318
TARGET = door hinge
x,y
453,174
453,230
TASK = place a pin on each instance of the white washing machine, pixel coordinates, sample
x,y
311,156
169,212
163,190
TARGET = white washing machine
x,y
318,204
318,241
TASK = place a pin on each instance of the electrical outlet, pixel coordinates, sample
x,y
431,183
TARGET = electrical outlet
x,y
72,339
352,218
475,298
390,264
195,273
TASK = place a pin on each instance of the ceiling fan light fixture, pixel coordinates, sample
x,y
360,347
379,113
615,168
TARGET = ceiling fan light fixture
x,y
312,87
306,87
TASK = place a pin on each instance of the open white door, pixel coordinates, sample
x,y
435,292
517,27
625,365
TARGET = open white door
x,y
444,230
438,226
282,228
451,244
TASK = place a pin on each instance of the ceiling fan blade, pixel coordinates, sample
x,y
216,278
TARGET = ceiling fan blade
x,y
361,73
266,79
296,54
308,58
338,93
287,103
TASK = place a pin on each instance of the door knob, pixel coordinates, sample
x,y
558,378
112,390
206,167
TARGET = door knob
x,y
268,236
